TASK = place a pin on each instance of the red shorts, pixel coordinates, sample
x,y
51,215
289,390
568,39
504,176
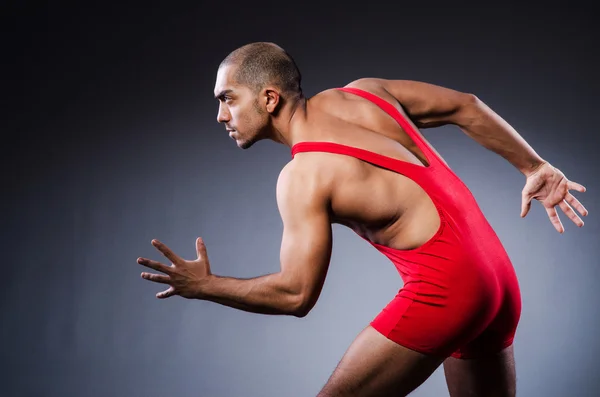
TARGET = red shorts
x,y
451,307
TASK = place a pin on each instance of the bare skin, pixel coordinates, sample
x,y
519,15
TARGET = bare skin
x,y
493,376
316,190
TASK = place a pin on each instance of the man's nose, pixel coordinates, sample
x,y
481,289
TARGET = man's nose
x,y
223,115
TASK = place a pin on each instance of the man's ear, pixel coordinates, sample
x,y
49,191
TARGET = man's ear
x,y
273,100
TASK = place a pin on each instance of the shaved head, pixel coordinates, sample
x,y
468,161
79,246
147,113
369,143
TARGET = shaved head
x,y
261,64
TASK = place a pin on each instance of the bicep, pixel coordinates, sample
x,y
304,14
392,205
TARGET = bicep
x,y
305,253
306,242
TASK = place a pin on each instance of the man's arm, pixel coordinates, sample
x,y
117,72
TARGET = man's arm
x,y
305,254
429,105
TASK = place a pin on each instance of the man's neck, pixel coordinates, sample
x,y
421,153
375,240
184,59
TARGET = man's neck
x,y
289,122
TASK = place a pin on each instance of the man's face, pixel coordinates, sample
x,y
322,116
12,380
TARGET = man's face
x,y
239,109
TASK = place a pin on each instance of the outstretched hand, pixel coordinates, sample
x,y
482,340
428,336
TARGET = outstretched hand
x,y
550,187
184,277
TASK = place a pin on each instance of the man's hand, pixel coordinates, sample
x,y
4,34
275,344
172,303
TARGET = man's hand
x,y
184,277
550,187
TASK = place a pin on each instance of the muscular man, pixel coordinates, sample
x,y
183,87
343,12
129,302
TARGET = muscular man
x,y
360,160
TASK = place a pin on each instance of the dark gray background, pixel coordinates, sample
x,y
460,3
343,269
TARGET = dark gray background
x,y
110,140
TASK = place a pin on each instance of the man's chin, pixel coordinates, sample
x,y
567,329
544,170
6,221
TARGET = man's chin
x,y
244,144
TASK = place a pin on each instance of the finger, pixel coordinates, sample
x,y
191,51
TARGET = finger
x,y
155,265
576,186
555,219
570,213
166,251
576,204
158,278
166,294
200,248
525,205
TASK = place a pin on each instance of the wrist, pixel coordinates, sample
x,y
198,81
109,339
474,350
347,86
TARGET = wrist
x,y
202,289
533,167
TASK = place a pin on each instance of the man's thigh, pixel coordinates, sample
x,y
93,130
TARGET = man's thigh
x,y
373,365
490,376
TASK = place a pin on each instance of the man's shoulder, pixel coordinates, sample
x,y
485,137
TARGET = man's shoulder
x,y
302,170
304,177
331,96
365,83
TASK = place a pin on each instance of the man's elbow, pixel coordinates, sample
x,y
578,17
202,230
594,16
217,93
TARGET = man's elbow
x,y
469,110
302,305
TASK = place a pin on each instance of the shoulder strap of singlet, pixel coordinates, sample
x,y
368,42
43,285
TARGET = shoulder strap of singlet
x,y
402,167
371,157
396,115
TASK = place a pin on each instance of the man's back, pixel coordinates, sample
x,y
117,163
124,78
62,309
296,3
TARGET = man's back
x,y
385,207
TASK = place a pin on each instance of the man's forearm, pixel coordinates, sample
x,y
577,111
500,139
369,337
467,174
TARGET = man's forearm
x,y
491,131
264,294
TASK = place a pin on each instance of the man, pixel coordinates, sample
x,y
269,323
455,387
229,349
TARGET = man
x,y
359,160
